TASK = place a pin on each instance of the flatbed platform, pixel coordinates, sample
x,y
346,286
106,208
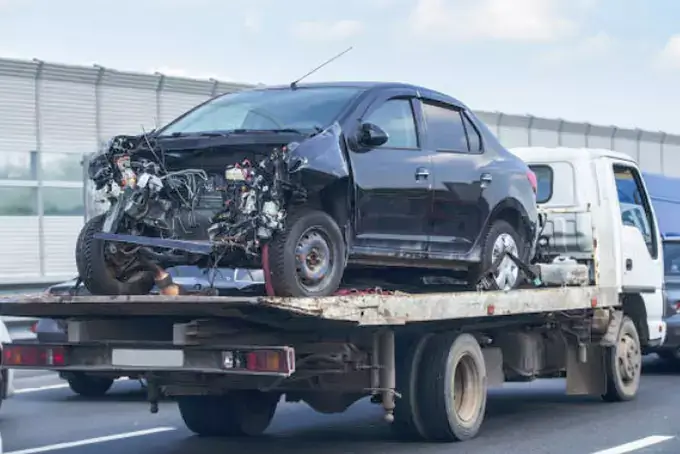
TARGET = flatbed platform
x,y
358,309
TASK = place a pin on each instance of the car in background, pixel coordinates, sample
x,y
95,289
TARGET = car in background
x,y
6,375
670,350
227,282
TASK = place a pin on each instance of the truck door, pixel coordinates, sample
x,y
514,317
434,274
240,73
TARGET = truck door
x,y
641,258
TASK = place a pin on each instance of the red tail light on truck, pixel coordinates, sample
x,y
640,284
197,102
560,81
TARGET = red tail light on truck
x,y
33,356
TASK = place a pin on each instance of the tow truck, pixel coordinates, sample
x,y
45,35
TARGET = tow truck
x,y
593,305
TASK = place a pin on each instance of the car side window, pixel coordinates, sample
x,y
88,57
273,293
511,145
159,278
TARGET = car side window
x,y
396,118
473,135
445,129
635,206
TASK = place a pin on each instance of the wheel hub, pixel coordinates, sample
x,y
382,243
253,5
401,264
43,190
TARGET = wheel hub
x,y
629,358
313,259
507,272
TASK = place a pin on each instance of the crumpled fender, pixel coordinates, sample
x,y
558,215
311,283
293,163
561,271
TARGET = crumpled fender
x,y
319,160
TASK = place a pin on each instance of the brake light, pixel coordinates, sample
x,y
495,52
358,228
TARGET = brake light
x,y
531,176
33,356
276,361
677,307
34,328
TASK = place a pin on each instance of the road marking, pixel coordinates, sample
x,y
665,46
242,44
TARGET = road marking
x,y
635,445
91,441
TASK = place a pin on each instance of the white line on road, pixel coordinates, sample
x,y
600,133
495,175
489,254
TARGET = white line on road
x,y
635,445
91,441
40,388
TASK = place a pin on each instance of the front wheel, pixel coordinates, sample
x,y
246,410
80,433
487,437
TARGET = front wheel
x,y
307,259
623,364
104,272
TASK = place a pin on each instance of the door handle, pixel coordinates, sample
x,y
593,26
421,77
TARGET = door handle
x,y
422,173
629,264
486,178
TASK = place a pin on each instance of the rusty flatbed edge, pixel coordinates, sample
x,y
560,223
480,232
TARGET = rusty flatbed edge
x,y
361,309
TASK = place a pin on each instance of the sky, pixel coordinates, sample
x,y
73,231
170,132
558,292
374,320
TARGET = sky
x,y
610,62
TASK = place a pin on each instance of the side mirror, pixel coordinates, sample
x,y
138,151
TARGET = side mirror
x,y
371,135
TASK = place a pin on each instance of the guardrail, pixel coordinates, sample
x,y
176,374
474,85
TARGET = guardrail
x,y
19,327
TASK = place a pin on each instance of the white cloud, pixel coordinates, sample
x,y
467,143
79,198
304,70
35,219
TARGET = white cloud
x,y
178,72
669,57
253,21
520,20
590,47
327,31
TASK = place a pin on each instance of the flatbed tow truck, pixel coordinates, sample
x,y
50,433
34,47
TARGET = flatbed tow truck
x,y
427,358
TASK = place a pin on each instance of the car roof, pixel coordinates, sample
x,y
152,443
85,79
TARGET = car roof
x,y
366,85
552,154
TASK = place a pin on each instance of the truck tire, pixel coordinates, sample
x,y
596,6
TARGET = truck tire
x,y
623,364
307,259
89,386
501,235
452,388
237,414
96,271
407,424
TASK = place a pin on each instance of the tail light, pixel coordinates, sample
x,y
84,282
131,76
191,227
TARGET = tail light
x,y
33,356
531,176
34,327
676,305
277,361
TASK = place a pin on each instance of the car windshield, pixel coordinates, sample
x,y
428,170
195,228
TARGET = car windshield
x,y
303,109
671,258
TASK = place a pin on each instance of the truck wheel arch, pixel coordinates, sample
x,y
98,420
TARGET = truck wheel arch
x,y
634,307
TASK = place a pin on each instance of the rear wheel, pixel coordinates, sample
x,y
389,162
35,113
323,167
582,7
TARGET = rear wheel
x,y
89,386
240,413
307,259
452,388
105,271
624,364
500,237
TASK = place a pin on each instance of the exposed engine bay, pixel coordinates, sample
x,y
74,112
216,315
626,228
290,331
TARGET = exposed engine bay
x,y
193,216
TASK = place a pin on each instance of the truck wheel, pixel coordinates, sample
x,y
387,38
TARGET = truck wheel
x,y
500,237
407,424
307,259
89,386
98,269
242,413
452,388
624,364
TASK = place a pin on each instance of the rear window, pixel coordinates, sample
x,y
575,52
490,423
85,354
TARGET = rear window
x,y
544,178
671,258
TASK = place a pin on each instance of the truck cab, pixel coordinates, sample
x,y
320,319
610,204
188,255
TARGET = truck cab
x,y
579,188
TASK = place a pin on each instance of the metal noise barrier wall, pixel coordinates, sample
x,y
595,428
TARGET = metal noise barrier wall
x,y
19,327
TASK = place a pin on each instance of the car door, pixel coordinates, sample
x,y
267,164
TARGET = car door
x,y
642,258
458,208
393,194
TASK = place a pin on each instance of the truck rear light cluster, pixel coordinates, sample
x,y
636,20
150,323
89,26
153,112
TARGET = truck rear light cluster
x,y
33,356
279,361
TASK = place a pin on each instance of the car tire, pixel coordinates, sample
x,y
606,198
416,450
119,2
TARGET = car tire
x,y
236,414
311,249
89,386
500,235
95,271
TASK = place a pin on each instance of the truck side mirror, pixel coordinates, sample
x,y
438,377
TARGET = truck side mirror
x,y
371,135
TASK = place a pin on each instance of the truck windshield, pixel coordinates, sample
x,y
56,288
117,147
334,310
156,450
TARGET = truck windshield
x,y
671,258
303,109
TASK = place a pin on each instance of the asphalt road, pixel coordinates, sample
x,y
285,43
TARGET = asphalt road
x,y
521,418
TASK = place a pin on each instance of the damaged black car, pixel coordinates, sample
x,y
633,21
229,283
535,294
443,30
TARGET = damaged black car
x,y
307,182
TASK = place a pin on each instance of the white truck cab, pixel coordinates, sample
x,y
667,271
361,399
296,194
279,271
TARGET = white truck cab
x,y
580,188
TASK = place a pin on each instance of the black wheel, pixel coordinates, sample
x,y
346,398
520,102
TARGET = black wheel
x,y
242,413
624,364
307,259
103,272
452,388
407,424
89,386
501,237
